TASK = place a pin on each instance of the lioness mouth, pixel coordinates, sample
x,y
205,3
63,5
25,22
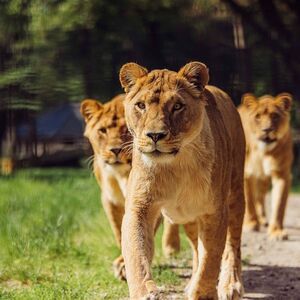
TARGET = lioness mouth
x,y
116,163
159,153
267,140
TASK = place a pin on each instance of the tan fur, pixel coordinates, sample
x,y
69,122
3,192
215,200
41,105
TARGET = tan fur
x,y
112,171
106,130
188,158
269,156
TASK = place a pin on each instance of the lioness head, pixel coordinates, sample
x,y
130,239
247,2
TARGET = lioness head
x,y
163,109
268,116
106,130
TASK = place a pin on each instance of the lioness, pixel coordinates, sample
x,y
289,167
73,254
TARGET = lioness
x,y
111,142
268,159
188,163
107,132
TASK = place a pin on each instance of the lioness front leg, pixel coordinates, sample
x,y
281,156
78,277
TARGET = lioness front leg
x,y
170,240
211,242
115,215
262,186
191,230
280,189
138,247
251,222
230,280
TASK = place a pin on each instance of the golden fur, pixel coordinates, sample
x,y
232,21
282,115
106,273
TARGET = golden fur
x,y
188,158
269,156
111,142
107,132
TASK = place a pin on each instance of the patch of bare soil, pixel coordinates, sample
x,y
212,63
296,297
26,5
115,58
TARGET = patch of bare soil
x,y
274,268
15,284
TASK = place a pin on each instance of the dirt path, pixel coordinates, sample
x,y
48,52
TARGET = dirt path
x,y
273,268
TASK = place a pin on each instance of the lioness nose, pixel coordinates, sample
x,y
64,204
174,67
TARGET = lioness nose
x,y
156,136
267,130
116,151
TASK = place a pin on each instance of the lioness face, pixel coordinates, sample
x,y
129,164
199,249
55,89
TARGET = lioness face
x,y
107,131
163,108
269,116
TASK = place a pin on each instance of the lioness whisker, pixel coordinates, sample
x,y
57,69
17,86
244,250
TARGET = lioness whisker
x,y
89,161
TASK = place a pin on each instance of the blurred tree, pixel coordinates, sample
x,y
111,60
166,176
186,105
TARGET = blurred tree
x,y
56,51
71,49
13,22
273,32
14,71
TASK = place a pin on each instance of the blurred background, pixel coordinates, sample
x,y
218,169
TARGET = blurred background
x,y
53,54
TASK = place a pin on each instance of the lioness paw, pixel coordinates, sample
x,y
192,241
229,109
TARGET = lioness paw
x,y
204,298
170,251
192,294
119,268
233,291
154,293
153,296
277,235
250,226
263,222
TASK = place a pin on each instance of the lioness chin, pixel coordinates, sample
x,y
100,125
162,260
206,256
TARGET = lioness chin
x,y
111,142
188,163
269,157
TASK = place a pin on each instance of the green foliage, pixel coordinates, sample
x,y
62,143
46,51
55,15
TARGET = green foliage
x,y
58,51
67,50
56,240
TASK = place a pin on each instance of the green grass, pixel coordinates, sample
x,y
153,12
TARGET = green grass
x,y
55,240
296,187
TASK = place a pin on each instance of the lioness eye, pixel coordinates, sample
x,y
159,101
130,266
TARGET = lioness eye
x,y
102,130
178,106
275,116
141,105
257,116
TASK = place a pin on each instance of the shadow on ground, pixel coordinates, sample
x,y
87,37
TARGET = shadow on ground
x,y
272,282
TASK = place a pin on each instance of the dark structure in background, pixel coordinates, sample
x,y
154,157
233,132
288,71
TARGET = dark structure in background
x,y
75,50
53,137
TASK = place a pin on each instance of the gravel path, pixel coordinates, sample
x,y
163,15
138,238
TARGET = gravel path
x,y
274,269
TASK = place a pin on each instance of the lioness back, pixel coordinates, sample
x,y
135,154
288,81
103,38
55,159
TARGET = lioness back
x,y
230,117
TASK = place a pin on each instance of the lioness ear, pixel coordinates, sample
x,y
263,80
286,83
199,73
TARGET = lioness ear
x,y
284,100
88,107
249,100
130,73
195,73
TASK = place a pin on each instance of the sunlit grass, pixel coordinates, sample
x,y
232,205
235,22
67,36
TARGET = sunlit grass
x,y
56,242
296,187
